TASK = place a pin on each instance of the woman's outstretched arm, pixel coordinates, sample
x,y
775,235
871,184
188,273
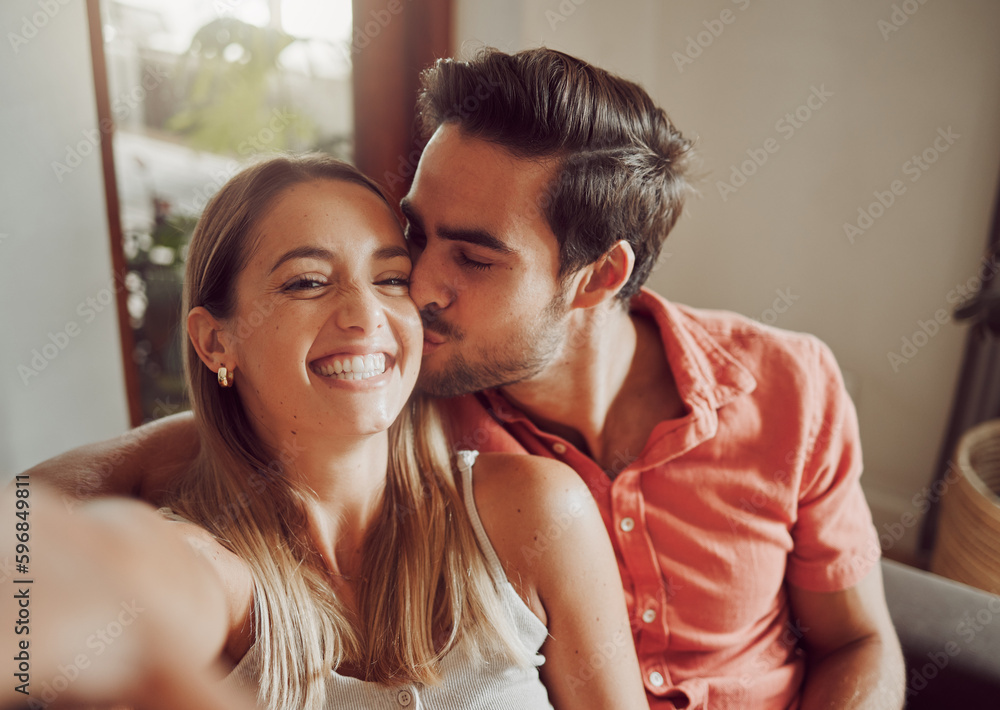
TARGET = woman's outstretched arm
x,y
112,605
141,463
549,535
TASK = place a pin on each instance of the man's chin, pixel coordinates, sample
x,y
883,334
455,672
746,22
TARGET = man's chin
x,y
453,381
437,386
456,376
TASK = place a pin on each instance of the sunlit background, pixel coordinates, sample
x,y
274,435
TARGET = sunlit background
x,y
198,88
845,95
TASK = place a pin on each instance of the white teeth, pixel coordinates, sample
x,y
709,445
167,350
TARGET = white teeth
x,y
354,368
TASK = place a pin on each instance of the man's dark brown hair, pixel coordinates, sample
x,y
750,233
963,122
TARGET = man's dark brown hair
x,y
623,167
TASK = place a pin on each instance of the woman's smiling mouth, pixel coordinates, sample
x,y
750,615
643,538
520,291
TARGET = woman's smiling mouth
x,y
350,367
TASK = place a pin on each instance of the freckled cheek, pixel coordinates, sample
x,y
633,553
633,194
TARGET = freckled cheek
x,y
409,335
274,350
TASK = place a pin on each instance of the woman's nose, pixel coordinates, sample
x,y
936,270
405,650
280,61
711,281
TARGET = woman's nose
x,y
359,310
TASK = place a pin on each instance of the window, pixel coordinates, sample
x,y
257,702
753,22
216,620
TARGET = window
x,y
196,89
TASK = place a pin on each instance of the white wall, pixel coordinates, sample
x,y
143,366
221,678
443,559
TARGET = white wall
x,y
54,252
891,91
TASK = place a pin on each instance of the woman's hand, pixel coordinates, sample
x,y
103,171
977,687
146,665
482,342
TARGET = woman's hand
x,y
119,608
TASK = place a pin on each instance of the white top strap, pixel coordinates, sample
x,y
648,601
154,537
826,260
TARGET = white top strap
x,y
466,459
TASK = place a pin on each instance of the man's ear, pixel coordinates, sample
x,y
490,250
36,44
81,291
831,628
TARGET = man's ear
x,y
602,280
207,336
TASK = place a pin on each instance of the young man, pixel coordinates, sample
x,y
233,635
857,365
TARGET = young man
x,y
724,455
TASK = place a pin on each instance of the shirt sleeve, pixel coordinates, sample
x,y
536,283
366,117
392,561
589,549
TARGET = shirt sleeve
x,y
834,542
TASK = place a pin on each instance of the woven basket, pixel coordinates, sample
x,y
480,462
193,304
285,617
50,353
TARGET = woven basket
x,y
968,543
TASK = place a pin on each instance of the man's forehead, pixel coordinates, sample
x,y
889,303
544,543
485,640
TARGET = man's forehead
x,y
460,175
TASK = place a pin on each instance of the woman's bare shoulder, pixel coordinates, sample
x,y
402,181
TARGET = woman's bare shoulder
x,y
518,486
532,509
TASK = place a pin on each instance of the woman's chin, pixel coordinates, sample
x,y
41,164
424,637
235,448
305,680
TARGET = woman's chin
x,y
346,422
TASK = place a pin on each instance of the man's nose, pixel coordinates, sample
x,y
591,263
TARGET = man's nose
x,y
428,286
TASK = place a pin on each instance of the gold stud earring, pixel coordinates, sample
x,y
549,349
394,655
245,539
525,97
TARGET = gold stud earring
x,y
226,377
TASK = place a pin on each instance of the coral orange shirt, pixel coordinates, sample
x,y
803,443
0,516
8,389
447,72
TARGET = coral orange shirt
x,y
755,487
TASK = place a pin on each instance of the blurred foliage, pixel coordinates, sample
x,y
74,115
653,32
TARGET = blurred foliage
x,y
230,96
231,88
174,232
156,264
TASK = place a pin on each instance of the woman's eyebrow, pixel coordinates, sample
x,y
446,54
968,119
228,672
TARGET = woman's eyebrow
x,y
392,252
302,253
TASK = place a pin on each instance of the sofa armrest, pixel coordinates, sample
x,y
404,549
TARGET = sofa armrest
x,y
950,634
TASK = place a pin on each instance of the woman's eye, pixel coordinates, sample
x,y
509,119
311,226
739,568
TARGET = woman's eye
x,y
464,260
303,283
394,281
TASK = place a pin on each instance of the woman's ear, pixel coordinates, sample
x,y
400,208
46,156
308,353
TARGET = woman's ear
x,y
206,333
603,279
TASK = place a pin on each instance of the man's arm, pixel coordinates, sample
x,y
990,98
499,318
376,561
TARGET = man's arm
x,y
140,463
854,658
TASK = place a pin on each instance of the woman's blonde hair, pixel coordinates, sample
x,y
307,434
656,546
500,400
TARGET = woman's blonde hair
x,y
424,585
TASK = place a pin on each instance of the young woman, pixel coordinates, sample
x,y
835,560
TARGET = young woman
x,y
361,564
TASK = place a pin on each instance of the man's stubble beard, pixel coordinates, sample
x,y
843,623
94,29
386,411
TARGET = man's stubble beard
x,y
506,364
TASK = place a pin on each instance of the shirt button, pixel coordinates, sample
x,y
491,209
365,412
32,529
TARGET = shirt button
x,y
655,679
649,616
559,448
404,697
627,524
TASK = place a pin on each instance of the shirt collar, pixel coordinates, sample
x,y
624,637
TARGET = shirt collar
x,y
706,374
704,371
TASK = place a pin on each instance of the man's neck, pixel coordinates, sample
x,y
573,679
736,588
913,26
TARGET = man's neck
x,y
607,391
